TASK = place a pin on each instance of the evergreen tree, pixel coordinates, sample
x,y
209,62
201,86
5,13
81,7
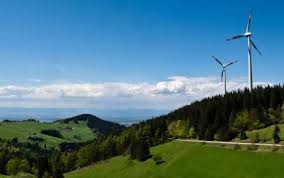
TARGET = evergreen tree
x,y
140,148
56,165
276,132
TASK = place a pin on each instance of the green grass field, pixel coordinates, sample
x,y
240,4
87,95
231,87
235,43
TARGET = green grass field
x,y
265,134
22,130
183,160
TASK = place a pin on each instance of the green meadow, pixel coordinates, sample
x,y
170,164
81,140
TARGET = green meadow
x,y
22,130
183,160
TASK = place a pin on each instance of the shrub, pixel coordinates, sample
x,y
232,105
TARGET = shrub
x,y
52,132
243,135
252,147
35,139
158,159
275,135
236,147
192,133
77,137
129,162
17,165
255,138
274,148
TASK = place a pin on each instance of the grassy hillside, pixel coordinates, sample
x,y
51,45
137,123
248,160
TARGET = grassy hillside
x,y
76,129
71,132
190,160
265,134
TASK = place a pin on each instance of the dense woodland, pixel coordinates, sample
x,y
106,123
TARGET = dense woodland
x,y
219,117
229,116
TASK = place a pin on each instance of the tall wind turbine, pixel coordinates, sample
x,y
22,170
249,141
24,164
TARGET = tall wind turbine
x,y
250,43
223,74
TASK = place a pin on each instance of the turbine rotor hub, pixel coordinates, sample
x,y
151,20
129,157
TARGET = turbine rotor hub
x,y
248,34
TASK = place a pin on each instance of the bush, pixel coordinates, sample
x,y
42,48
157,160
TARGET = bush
x,y
252,147
192,133
158,159
24,175
52,132
274,148
236,147
16,165
77,137
129,162
243,135
35,139
255,138
275,135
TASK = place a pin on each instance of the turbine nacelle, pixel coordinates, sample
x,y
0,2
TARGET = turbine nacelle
x,y
247,34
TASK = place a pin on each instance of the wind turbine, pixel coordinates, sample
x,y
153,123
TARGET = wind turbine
x,y
223,73
250,43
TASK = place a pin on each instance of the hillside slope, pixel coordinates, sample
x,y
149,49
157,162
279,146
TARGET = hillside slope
x,y
184,160
265,135
30,131
80,128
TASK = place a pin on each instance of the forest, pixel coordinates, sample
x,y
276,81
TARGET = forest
x,y
221,117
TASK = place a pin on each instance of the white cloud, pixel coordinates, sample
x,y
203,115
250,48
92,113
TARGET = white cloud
x,y
169,94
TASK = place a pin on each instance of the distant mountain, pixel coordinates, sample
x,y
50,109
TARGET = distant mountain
x,y
95,123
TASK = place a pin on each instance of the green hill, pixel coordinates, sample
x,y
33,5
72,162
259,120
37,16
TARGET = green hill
x,y
76,129
184,160
30,131
95,124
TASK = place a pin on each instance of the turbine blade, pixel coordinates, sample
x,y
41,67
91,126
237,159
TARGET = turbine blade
x,y
217,60
248,25
235,37
230,63
255,47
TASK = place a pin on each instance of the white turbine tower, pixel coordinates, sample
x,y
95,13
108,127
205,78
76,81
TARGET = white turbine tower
x,y
250,43
223,74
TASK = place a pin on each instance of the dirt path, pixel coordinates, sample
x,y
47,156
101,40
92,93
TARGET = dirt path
x,y
228,143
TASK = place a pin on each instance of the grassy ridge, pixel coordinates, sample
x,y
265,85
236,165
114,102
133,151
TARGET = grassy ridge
x,y
22,130
184,160
265,134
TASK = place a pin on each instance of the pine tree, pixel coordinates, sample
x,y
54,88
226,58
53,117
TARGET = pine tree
x,y
276,132
56,165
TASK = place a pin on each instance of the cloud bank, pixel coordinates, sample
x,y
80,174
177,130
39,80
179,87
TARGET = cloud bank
x,y
169,94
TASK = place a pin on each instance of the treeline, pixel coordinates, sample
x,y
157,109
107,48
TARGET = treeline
x,y
226,117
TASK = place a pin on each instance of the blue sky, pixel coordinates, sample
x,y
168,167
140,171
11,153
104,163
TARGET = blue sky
x,y
141,44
